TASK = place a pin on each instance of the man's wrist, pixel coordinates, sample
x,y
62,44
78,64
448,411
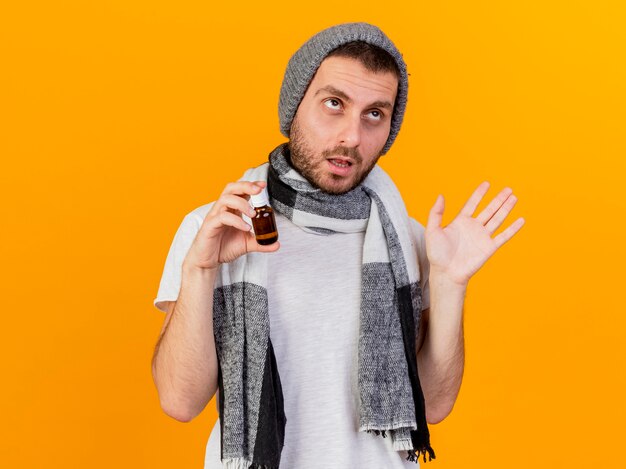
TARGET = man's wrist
x,y
443,279
194,271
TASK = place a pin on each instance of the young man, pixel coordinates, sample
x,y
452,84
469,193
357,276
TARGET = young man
x,y
336,345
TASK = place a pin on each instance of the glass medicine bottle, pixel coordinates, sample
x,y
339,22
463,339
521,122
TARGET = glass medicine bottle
x,y
264,222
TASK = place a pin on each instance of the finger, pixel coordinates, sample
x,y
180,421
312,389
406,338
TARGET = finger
x,y
436,213
253,246
227,219
471,204
484,216
234,203
494,223
244,187
509,232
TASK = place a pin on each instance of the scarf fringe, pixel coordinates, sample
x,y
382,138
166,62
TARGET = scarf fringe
x,y
414,455
242,463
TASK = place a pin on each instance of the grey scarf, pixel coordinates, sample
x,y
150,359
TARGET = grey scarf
x,y
391,401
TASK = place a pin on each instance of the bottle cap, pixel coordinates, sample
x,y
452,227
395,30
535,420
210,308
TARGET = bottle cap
x,y
260,199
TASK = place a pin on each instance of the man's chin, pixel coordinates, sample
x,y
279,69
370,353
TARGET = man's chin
x,y
336,188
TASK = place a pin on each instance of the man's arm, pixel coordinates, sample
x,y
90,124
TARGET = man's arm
x,y
440,347
455,253
184,364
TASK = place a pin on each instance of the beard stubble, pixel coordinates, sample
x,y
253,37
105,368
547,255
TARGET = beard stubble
x,y
304,161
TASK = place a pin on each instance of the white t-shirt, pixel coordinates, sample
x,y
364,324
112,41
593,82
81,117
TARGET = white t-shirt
x,y
314,302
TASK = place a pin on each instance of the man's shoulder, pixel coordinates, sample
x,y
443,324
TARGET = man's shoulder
x,y
201,211
197,215
416,226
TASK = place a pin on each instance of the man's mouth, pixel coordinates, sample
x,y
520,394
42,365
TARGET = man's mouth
x,y
340,163
340,166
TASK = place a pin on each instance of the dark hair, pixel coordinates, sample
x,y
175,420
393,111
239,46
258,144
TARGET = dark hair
x,y
374,58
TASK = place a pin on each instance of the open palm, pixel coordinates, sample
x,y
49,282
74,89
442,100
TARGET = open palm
x,y
462,247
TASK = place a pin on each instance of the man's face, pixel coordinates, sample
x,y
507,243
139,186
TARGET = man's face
x,y
342,124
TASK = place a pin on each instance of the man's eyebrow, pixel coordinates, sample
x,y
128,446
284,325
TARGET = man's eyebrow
x,y
337,92
384,104
332,90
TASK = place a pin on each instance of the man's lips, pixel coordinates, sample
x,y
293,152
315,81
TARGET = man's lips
x,y
341,161
340,166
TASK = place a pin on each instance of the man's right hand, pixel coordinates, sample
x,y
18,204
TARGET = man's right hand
x,y
224,235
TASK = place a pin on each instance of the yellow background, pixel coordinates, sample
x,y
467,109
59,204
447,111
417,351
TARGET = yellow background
x,y
118,118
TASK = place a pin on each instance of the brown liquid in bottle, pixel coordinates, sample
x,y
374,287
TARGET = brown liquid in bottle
x,y
264,222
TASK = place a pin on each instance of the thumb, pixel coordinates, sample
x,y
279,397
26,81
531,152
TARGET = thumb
x,y
436,213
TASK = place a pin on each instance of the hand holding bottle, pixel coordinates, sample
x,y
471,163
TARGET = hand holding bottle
x,y
224,235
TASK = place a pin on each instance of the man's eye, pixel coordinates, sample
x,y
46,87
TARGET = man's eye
x,y
332,103
376,114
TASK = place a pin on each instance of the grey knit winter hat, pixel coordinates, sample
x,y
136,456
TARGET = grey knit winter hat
x,y
306,60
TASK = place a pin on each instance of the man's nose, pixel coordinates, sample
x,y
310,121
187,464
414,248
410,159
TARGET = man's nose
x,y
350,132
